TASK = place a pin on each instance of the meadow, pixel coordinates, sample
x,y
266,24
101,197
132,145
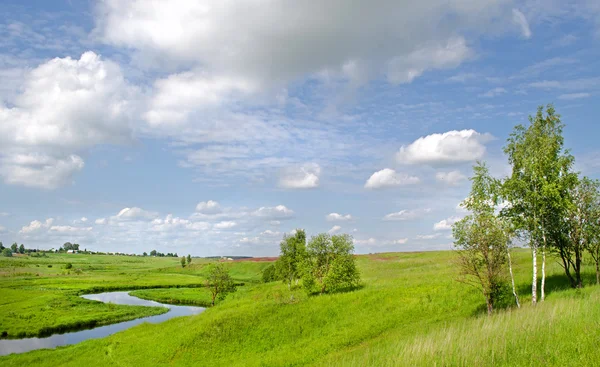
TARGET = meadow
x,y
409,311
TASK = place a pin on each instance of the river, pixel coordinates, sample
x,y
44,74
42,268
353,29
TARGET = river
x,y
8,346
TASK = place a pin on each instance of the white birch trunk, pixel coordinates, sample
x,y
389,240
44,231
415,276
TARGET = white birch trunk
x,y
543,291
534,281
512,279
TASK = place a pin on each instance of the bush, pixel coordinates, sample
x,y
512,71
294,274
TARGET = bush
x,y
7,252
269,274
68,266
49,265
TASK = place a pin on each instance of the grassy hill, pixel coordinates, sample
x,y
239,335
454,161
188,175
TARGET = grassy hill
x,y
411,311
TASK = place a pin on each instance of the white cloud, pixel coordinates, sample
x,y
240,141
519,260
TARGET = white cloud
x,y
208,207
572,96
520,19
70,229
336,217
274,212
134,214
389,178
303,177
494,92
406,214
400,241
83,219
428,236
390,40
451,178
445,224
36,226
4,214
447,148
225,225
100,221
66,106
334,229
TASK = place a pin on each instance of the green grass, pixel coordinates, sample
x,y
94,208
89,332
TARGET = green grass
x,y
38,300
411,311
185,296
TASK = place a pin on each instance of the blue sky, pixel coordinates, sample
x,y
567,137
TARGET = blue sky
x,y
215,127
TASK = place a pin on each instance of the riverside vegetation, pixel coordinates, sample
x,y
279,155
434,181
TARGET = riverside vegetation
x,y
319,305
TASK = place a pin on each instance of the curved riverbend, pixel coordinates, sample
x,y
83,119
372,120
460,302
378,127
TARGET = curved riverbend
x,y
8,346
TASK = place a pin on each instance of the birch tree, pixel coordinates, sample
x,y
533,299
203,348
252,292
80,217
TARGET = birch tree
x,y
329,265
482,238
540,169
292,254
591,229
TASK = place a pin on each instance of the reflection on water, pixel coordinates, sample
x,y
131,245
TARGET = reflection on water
x,y
119,298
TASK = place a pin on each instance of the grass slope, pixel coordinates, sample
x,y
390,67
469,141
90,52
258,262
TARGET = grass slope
x,y
409,304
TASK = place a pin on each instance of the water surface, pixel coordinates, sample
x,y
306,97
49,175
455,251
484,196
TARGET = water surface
x,y
8,346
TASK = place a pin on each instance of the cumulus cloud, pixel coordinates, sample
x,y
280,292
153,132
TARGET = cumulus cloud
x,y
336,217
334,229
447,148
428,236
406,214
445,224
452,178
208,207
303,177
388,177
520,19
66,106
392,38
36,226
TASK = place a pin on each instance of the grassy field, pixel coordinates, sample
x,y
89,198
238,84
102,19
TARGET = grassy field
x,y
411,311
40,296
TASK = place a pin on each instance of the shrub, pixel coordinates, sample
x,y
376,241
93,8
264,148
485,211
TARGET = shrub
x,y
49,265
68,266
269,274
7,252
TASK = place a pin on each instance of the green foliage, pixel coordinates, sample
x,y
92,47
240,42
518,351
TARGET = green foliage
x,y
7,252
70,246
482,238
1,246
189,259
68,266
329,265
183,262
269,274
14,247
291,255
219,282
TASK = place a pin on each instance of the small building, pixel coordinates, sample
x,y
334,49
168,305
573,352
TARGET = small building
x,y
71,251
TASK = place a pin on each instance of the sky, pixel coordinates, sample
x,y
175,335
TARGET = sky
x,y
217,127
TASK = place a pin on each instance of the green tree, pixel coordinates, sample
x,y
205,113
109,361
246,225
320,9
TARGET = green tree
x,y
589,203
269,274
144,254
189,259
14,247
22,249
329,264
1,246
482,238
6,252
219,282
291,256
538,185
153,253
183,261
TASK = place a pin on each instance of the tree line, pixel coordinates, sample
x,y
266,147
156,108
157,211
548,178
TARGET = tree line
x,y
543,203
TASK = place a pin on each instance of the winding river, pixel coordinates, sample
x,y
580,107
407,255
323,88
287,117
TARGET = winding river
x,y
8,346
